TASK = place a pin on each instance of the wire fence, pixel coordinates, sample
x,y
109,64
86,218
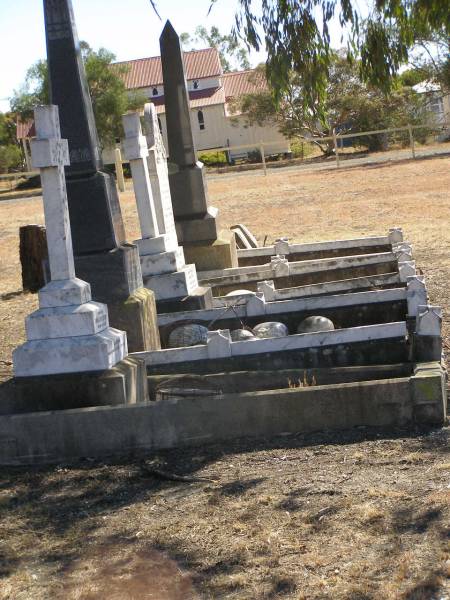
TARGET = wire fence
x,y
338,150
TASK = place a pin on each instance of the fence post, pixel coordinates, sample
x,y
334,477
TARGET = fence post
x,y
336,148
261,149
411,140
119,169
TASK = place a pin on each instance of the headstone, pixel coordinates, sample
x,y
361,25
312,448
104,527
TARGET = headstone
x,y
158,171
102,257
163,266
196,221
68,333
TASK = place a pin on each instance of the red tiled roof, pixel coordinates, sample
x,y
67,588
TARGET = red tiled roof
x,y
145,72
25,130
243,82
197,99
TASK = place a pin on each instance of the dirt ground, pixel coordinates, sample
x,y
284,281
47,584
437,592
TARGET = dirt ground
x,y
356,516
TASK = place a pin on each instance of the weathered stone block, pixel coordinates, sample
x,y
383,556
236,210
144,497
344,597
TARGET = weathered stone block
x,y
202,228
428,394
66,321
125,383
137,316
70,354
217,254
165,262
64,292
173,285
113,275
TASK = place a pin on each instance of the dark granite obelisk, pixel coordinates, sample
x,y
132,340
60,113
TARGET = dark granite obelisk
x,y
195,221
102,257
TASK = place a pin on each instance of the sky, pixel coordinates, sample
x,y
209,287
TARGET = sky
x,y
128,28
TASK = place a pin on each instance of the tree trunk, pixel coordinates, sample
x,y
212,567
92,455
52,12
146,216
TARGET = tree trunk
x,y
33,252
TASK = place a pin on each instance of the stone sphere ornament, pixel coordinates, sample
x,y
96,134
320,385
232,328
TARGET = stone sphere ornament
x,y
241,335
271,329
240,293
192,334
314,324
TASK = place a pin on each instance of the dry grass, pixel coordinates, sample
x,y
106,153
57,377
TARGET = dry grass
x,y
314,517
296,517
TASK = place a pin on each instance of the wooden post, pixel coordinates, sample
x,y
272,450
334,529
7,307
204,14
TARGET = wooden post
x,y
26,154
119,170
33,253
336,148
411,140
261,149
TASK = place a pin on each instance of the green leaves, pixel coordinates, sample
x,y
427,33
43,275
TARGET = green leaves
x,y
108,93
296,37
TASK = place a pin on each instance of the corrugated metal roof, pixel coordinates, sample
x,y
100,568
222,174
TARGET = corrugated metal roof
x,y
146,72
197,99
243,82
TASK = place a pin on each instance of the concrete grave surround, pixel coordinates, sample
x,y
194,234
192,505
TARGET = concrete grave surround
x,y
162,261
316,250
68,333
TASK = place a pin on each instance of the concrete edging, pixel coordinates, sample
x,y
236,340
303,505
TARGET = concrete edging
x,y
48,437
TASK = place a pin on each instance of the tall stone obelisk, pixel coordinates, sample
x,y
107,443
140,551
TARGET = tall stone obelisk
x,y
196,222
102,257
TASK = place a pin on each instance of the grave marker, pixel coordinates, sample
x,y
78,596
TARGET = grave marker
x,y
68,333
196,221
162,260
102,257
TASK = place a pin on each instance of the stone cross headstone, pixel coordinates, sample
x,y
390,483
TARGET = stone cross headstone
x,y
68,333
158,171
162,261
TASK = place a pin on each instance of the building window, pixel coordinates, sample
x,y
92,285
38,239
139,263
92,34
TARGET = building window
x,y
160,126
155,91
201,119
195,85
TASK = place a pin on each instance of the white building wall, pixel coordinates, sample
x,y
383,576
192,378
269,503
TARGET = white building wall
x,y
222,131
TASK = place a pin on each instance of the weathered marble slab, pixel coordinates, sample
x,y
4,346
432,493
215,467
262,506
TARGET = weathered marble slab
x,y
71,354
282,246
177,284
384,331
257,306
280,268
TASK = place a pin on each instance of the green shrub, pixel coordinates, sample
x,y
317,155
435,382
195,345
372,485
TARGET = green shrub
x,y
213,158
301,149
10,157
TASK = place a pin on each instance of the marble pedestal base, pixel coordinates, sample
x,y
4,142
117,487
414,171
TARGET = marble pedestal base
x,y
125,383
95,352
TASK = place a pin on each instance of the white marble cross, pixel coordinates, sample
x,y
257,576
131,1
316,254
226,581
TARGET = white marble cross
x,y
50,154
158,171
136,151
68,333
162,261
